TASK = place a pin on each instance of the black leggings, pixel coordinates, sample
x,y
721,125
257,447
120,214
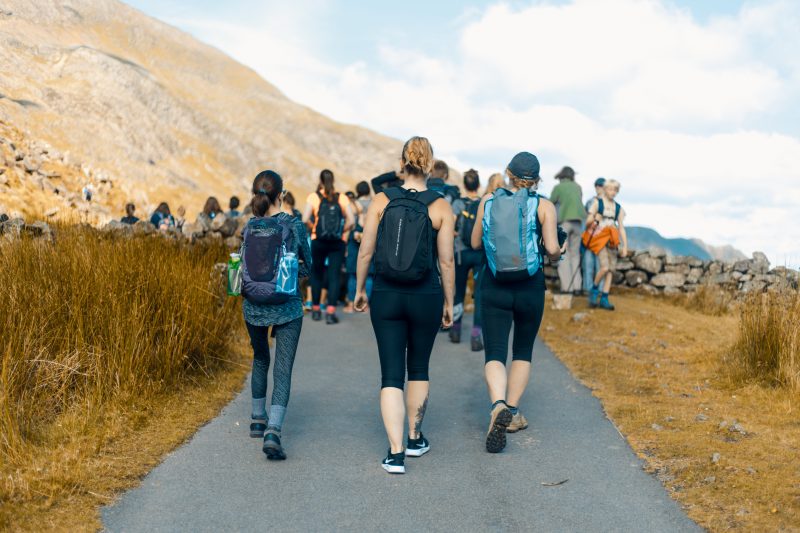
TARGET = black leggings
x,y
520,303
468,261
405,327
333,251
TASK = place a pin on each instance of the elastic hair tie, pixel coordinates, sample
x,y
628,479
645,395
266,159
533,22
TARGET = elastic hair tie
x,y
261,191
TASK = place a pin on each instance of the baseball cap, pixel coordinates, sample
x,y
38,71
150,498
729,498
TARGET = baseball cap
x,y
599,182
525,166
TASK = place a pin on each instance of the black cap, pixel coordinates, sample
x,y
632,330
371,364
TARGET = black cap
x,y
599,182
525,166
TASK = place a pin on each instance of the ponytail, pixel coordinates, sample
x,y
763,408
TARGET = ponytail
x,y
326,180
267,188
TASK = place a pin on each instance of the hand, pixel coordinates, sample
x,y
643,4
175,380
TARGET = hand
x,y
447,316
357,236
360,303
564,249
624,252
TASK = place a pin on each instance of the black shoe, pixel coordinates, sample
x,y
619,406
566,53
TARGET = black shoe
x,y
417,447
455,335
331,318
257,429
272,445
476,343
578,293
395,463
316,315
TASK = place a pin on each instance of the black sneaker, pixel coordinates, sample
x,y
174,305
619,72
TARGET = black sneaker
x,y
476,343
316,315
331,318
417,447
395,463
257,428
455,335
272,445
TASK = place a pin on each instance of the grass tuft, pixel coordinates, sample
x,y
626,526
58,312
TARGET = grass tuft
x,y
767,349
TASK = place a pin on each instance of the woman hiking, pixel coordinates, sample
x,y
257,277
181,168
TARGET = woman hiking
x,y
270,238
408,231
329,217
512,287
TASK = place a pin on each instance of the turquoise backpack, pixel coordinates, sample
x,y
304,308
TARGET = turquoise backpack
x,y
511,234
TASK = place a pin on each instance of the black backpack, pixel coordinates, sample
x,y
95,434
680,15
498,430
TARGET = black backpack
x,y
466,220
330,219
405,252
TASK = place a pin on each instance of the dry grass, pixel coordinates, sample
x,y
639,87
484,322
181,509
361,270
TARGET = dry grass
x,y
662,373
97,337
709,300
768,346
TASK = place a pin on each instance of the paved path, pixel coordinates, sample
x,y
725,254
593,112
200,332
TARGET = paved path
x,y
220,480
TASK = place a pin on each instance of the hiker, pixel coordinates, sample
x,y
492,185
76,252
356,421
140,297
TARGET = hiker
x,y
589,259
360,204
288,206
604,233
496,181
512,287
180,220
129,217
332,217
437,182
233,205
468,260
567,196
271,298
409,300
211,210
161,218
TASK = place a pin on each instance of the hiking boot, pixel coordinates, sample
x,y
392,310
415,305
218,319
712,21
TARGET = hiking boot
x,y
496,437
594,297
417,447
395,463
331,318
605,304
272,445
518,423
257,428
316,315
476,343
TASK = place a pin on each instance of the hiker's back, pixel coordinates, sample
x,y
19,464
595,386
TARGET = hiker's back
x,y
511,232
405,253
269,260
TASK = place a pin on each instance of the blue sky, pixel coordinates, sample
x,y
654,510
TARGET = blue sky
x,y
691,105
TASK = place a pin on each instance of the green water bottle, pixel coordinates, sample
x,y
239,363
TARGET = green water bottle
x,y
235,275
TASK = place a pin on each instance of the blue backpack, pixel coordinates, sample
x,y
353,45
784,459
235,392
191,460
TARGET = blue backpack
x,y
269,261
511,234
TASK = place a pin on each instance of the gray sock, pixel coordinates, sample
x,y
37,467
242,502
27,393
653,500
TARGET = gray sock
x,y
259,409
276,414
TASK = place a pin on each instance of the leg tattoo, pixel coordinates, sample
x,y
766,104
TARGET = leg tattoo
x,y
420,416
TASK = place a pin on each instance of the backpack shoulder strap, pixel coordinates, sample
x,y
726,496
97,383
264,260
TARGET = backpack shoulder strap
x,y
428,197
393,193
616,211
601,207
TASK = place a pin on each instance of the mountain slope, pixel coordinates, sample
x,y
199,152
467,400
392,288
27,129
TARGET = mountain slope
x,y
640,238
162,115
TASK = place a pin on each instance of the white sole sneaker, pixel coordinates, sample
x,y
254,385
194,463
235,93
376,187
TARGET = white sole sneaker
x,y
417,452
392,469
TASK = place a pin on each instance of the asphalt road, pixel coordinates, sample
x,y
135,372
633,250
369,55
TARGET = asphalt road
x,y
334,438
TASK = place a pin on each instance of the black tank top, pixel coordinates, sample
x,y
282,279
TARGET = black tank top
x,y
430,285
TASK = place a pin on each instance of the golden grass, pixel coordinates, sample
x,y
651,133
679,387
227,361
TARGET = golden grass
x,y
103,341
768,346
709,300
663,375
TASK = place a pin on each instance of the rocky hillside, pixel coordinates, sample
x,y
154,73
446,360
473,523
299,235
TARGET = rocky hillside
x,y
95,92
641,238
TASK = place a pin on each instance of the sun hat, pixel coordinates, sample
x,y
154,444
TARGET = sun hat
x,y
525,166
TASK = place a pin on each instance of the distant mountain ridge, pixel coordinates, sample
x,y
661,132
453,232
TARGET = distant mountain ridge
x,y
640,238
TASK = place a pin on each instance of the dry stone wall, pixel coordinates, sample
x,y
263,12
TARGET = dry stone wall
x,y
655,272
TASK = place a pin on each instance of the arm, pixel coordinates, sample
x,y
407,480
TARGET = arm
x,y
623,235
307,213
549,220
367,248
444,245
303,250
349,218
477,230
591,217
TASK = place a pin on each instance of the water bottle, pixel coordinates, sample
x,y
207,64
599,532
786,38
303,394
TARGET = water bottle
x,y
235,275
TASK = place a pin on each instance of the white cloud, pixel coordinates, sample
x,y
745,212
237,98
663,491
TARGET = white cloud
x,y
633,89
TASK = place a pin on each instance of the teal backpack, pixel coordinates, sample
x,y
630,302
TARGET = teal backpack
x,y
511,234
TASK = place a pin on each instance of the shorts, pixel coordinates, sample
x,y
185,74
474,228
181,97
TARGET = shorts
x,y
608,259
